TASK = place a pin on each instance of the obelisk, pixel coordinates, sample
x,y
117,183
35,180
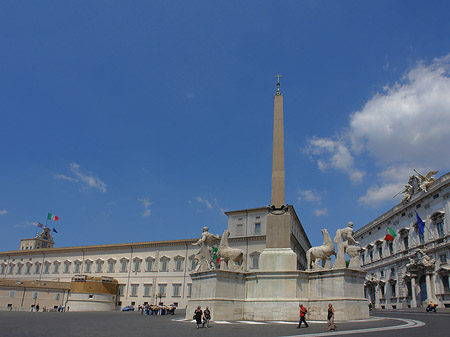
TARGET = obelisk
x,y
278,254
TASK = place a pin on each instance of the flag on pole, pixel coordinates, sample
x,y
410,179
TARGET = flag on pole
x,y
390,235
420,224
54,230
40,225
52,217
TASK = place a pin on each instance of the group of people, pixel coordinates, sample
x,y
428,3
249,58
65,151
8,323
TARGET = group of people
x,y
157,309
202,317
330,317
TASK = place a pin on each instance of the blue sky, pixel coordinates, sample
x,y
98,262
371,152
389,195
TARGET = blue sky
x,y
146,120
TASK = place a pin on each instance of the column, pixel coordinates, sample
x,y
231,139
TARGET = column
x,y
428,284
413,292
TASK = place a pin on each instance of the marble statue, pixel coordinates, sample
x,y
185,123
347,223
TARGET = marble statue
x,y
421,261
408,192
322,252
416,184
230,258
204,256
343,237
426,180
353,253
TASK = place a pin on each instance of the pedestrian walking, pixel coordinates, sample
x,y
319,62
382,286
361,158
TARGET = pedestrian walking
x,y
198,316
331,318
303,312
206,317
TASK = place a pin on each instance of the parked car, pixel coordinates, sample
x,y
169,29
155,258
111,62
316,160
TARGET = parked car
x,y
128,308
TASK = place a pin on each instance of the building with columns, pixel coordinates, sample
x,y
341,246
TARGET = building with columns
x,y
412,269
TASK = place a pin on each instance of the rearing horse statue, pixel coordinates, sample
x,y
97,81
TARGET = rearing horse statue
x,y
321,252
230,258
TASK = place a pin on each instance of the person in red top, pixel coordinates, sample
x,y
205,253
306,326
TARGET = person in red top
x,y
303,312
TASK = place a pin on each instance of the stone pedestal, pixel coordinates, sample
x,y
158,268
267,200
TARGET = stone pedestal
x,y
276,295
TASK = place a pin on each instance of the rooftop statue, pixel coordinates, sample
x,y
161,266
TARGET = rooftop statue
x,y
426,180
415,184
204,256
230,258
322,252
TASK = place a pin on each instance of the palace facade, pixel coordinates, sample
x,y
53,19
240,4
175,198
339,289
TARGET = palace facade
x,y
147,272
412,269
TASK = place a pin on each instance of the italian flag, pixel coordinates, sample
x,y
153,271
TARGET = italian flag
x,y
52,217
390,235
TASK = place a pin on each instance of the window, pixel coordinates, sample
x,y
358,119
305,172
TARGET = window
x,y
393,290
193,263
443,258
254,260
371,254
134,289
137,265
381,273
392,272
440,228
77,267
445,284
380,251
111,266
99,266
391,248
162,290
88,266
46,265
257,228
164,264
56,268
57,297
12,293
149,264
123,266
363,258
37,268
147,289
239,229
382,290
28,269
11,269
19,269
35,294
189,290
178,264
121,289
405,243
421,237
66,267
176,290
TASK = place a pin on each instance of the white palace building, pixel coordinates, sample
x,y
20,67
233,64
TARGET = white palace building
x,y
146,272
414,268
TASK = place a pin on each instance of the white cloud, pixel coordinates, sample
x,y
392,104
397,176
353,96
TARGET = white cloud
x,y
320,212
3,212
309,195
63,177
146,203
89,180
204,201
410,121
404,127
335,154
26,224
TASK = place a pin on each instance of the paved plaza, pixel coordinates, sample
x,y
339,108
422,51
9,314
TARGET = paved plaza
x,y
111,324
